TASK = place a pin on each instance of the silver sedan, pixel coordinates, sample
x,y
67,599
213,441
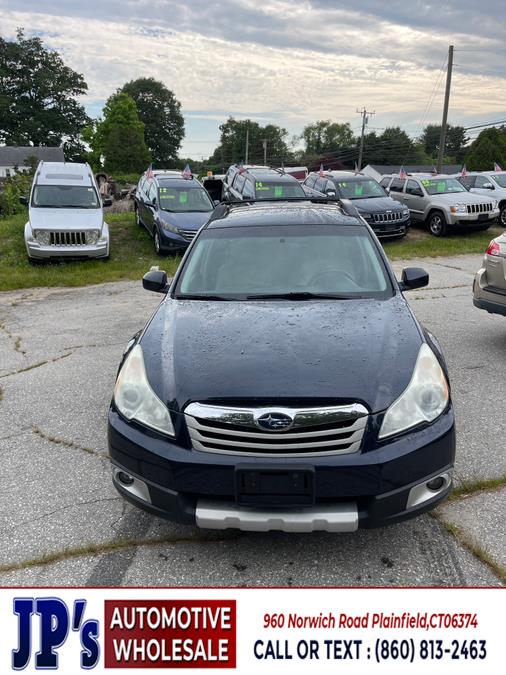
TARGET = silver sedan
x,y
489,286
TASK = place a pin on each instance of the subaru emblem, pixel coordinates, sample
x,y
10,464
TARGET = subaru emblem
x,y
274,421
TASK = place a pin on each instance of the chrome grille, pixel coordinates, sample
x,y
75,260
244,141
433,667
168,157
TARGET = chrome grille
x,y
392,217
479,208
314,431
188,234
67,238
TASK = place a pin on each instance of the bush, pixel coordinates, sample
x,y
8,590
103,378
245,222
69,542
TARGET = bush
x,y
13,188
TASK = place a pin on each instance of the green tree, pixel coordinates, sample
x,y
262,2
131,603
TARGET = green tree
x,y
232,147
161,113
325,135
489,147
393,146
119,137
37,96
455,140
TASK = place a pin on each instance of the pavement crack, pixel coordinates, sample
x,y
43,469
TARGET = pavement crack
x,y
59,510
16,338
68,444
36,365
452,267
104,548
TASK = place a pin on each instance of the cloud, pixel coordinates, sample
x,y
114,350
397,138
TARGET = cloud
x,y
287,61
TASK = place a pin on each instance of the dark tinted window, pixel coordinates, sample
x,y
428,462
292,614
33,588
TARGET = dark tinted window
x,y
413,188
278,190
397,185
384,182
238,182
467,181
65,196
482,181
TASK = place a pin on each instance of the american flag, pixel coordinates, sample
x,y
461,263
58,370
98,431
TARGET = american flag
x,y
434,171
149,172
497,167
241,168
322,173
402,173
356,168
463,171
187,172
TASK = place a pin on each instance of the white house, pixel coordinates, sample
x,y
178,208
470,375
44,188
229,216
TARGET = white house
x,y
16,158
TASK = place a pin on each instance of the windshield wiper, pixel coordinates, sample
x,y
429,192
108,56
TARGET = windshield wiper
x,y
184,296
300,295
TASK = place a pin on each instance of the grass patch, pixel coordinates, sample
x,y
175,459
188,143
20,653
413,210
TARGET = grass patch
x,y
132,255
466,489
420,244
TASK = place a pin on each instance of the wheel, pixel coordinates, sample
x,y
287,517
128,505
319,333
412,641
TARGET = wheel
x,y
437,224
137,217
156,242
502,215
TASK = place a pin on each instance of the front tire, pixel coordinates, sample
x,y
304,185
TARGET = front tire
x,y
156,242
502,215
138,220
437,224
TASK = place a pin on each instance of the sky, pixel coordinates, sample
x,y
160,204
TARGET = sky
x,y
286,62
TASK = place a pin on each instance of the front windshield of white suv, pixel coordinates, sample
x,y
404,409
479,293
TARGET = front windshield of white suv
x,y
284,262
65,197
442,186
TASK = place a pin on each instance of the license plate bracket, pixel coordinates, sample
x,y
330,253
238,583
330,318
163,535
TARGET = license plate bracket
x,y
483,216
264,485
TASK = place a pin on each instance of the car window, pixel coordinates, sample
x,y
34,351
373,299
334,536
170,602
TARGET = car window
x,y
320,184
442,186
413,188
278,190
359,189
152,192
310,181
500,179
248,189
238,182
397,185
384,182
481,181
242,261
467,181
65,196
184,199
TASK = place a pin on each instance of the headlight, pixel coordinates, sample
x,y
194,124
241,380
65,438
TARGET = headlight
x,y
424,399
405,212
168,226
495,204
135,399
458,208
365,215
43,237
92,237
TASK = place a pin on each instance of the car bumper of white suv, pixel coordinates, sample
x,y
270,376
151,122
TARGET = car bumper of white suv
x,y
472,218
66,244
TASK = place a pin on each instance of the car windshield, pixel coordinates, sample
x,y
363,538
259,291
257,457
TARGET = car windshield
x,y
284,262
184,199
359,189
442,186
65,197
273,190
500,179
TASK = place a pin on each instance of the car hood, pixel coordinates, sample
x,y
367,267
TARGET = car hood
x,y
325,352
186,221
461,198
66,219
376,205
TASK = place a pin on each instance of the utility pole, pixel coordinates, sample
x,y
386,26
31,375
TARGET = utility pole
x,y
365,120
442,138
247,145
264,143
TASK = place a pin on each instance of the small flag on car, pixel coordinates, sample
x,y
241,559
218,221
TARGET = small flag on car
x,y
241,168
149,172
356,168
497,167
321,170
187,172
434,171
463,171
402,173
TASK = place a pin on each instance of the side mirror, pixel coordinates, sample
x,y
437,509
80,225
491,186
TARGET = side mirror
x,y
488,186
331,193
413,277
155,280
24,201
216,202
107,201
387,190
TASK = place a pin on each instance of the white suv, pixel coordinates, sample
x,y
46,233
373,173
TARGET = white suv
x,y
441,201
490,184
65,215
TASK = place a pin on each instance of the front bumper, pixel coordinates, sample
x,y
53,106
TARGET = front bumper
x,y
367,489
472,218
37,251
172,241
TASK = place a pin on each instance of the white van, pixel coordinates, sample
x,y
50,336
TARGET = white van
x,y
65,215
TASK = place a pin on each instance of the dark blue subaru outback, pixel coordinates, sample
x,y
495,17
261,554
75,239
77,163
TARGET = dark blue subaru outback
x,y
283,383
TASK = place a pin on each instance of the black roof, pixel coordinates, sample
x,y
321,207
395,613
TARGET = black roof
x,y
266,213
266,175
177,181
18,155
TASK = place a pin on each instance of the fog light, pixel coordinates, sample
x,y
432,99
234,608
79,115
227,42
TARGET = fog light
x,y
124,478
436,483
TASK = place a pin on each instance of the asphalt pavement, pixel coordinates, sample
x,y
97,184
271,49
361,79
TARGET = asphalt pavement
x,y
62,523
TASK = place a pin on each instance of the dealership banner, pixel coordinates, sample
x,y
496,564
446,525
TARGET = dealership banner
x,y
257,630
